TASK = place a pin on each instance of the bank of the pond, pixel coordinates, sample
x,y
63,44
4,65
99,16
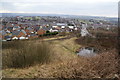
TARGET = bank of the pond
x,y
87,52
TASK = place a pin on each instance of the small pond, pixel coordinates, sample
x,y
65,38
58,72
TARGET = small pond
x,y
87,51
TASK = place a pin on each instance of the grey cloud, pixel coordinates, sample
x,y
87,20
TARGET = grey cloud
x,y
103,8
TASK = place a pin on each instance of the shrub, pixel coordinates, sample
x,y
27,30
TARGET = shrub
x,y
24,54
101,42
104,65
49,34
47,31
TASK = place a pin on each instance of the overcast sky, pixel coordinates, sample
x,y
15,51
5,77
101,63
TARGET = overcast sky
x,y
71,7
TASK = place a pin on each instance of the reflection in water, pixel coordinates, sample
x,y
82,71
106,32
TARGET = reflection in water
x,y
87,51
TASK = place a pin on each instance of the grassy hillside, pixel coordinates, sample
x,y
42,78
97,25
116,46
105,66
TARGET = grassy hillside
x,y
64,63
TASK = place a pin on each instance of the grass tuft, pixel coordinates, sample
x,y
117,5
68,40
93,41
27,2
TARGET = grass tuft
x,y
20,54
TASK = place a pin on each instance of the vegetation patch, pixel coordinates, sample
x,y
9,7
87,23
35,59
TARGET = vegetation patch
x,y
21,54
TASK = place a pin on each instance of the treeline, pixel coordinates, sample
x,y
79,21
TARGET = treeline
x,y
49,34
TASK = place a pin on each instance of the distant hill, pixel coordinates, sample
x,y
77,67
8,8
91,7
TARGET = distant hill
x,y
26,14
111,19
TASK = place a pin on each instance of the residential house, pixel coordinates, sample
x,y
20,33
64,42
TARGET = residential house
x,y
41,32
32,36
61,24
8,38
22,38
10,28
15,38
71,27
63,27
16,28
3,33
18,34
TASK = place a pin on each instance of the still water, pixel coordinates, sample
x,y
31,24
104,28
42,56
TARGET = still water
x,y
87,51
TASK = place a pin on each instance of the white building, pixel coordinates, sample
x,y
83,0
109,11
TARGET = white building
x,y
76,28
62,27
21,38
71,27
52,30
15,38
54,26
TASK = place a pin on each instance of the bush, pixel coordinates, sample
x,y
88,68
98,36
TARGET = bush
x,y
49,34
24,54
47,31
104,65
101,42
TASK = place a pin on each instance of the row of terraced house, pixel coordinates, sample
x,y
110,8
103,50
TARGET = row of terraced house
x,y
13,31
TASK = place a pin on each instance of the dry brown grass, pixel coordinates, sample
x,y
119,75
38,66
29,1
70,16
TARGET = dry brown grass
x,y
65,64
21,54
101,66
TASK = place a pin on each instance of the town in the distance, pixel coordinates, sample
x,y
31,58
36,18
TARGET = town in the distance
x,y
32,27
